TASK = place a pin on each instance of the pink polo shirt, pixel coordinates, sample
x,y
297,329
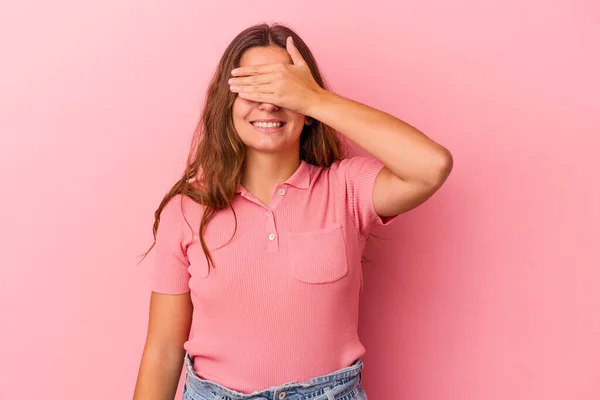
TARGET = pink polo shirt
x,y
282,304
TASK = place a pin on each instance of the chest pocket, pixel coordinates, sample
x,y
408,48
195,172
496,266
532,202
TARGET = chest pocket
x,y
318,256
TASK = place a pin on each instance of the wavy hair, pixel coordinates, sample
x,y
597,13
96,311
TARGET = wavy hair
x,y
215,162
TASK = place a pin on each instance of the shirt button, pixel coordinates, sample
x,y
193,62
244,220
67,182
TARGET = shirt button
x,y
268,213
281,192
282,395
272,236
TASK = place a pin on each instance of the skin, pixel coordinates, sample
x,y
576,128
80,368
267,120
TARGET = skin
x,y
286,143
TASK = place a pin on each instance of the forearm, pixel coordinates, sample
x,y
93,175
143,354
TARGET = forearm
x,y
403,149
159,375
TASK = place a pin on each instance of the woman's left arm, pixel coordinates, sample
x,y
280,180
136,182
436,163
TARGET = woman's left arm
x,y
415,166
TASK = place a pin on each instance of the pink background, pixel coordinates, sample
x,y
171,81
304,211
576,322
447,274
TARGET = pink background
x,y
488,291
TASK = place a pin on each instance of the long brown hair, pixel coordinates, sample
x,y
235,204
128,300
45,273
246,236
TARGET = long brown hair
x,y
215,162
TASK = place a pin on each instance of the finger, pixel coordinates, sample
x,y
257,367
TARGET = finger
x,y
252,89
254,70
294,52
252,80
258,97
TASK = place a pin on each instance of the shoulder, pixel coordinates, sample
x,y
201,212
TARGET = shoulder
x,y
354,168
178,209
176,206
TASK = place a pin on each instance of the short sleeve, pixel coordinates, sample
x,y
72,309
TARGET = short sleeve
x,y
169,268
357,178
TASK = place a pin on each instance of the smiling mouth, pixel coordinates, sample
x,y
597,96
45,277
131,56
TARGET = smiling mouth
x,y
268,125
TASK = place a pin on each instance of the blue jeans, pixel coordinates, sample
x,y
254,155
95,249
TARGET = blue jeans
x,y
343,384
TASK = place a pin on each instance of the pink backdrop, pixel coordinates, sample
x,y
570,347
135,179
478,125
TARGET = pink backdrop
x,y
488,291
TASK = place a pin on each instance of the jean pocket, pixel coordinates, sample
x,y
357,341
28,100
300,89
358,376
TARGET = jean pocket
x,y
318,256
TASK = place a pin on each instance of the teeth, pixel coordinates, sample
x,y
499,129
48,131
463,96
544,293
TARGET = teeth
x,y
268,124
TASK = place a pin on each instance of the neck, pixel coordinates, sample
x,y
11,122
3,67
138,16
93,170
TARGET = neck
x,y
262,171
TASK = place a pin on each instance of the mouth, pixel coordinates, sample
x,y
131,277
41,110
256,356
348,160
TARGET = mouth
x,y
268,125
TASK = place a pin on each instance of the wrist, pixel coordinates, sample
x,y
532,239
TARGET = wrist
x,y
320,97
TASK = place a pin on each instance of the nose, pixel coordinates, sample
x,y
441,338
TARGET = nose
x,y
268,107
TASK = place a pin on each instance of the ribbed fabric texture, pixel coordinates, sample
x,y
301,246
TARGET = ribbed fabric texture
x,y
282,303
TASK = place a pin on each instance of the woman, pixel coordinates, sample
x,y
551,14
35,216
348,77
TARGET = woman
x,y
259,245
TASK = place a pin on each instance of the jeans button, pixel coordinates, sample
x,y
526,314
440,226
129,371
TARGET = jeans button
x,y
282,395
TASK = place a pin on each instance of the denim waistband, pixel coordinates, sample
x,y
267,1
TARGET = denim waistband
x,y
342,384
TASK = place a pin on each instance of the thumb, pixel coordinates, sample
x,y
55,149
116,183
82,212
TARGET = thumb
x,y
294,53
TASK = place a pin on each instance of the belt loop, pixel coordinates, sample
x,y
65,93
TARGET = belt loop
x,y
329,394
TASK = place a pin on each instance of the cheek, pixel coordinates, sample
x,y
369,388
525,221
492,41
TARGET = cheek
x,y
237,110
294,115
298,122
241,108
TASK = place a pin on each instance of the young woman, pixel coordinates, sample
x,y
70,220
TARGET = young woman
x,y
259,245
